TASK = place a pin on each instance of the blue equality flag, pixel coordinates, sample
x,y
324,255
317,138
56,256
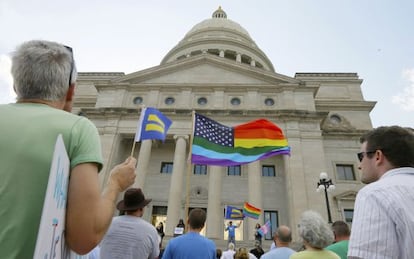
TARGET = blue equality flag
x,y
152,124
233,213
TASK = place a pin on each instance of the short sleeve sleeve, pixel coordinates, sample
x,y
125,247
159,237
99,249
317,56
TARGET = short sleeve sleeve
x,y
85,145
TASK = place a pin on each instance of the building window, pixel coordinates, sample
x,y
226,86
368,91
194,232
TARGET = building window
x,y
348,215
166,168
200,169
268,170
234,170
335,119
138,100
159,210
271,216
169,100
202,101
269,102
235,101
345,172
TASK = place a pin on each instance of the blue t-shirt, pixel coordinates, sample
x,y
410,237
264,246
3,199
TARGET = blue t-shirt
x,y
279,252
231,230
189,246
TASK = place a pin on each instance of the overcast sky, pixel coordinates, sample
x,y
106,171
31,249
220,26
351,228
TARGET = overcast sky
x,y
373,38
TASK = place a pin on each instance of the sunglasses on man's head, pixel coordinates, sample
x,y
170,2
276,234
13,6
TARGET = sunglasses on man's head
x,y
71,64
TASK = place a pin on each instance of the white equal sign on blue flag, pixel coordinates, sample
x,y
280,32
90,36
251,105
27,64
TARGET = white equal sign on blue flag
x,y
233,213
152,124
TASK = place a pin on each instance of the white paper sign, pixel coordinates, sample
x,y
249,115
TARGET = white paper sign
x,y
50,238
178,231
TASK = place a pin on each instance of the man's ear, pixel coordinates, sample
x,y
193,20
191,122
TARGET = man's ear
x,y
70,93
69,98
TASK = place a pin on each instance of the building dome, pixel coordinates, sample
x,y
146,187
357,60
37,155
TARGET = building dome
x,y
222,37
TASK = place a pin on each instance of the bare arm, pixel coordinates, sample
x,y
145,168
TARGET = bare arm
x,y
89,213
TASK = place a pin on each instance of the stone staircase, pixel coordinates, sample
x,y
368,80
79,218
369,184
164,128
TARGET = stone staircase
x,y
222,244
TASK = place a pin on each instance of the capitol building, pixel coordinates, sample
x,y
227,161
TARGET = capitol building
x,y
219,71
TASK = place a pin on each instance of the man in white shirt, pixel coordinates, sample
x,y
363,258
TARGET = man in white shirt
x,y
130,236
383,223
282,239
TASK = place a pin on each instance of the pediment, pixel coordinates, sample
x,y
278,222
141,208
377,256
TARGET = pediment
x,y
346,196
206,69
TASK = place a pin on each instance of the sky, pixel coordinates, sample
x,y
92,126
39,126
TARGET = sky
x,y
373,38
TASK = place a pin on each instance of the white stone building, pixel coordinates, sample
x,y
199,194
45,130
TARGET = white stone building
x,y
218,70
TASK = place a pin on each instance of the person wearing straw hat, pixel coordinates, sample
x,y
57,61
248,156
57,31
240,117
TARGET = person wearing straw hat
x,y
130,236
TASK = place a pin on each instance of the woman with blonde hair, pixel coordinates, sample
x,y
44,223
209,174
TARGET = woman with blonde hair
x,y
242,253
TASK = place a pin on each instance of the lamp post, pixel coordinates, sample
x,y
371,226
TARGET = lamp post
x,y
325,184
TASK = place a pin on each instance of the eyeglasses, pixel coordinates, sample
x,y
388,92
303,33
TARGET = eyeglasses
x,y
71,63
361,154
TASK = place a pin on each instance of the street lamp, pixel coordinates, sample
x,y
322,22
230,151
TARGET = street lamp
x,y
325,184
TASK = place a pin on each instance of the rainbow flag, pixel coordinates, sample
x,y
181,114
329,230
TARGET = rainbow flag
x,y
152,124
217,144
251,211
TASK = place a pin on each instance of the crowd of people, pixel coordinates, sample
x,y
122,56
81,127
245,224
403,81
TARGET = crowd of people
x,y
44,76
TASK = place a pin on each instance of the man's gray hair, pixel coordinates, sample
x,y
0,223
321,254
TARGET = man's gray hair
x,y
42,70
314,230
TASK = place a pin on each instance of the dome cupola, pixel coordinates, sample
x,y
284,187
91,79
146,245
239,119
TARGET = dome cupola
x,y
222,37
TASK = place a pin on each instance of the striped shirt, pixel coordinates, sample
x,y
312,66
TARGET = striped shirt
x,y
130,237
383,223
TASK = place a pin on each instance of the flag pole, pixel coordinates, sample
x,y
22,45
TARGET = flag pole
x,y
133,148
139,125
187,196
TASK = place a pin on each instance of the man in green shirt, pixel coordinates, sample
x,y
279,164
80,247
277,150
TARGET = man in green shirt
x,y
342,233
44,76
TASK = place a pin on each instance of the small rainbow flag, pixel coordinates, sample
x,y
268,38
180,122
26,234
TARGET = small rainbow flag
x,y
251,211
217,144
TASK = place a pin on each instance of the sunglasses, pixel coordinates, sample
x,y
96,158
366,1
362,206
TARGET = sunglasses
x,y
71,63
361,155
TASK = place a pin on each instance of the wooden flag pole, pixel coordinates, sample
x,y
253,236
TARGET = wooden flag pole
x,y
133,148
187,196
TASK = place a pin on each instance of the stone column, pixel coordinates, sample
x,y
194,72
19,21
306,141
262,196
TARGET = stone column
x,y
109,142
176,185
255,195
142,164
238,57
214,210
221,54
